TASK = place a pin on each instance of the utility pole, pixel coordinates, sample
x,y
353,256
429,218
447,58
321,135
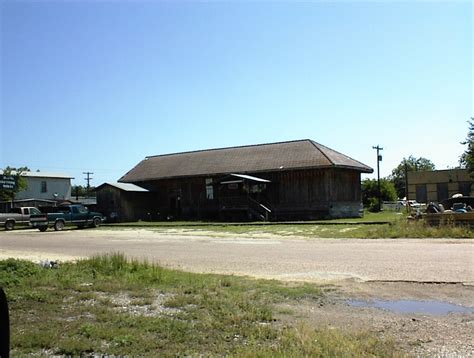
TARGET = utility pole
x,y
406,187
88,179
379,159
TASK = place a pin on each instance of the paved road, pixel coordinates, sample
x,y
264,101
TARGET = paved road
x,y
439,260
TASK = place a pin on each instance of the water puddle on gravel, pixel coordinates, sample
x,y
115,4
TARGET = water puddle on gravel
x,y
438,308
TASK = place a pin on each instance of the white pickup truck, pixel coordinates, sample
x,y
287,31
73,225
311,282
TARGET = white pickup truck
x,y
17,217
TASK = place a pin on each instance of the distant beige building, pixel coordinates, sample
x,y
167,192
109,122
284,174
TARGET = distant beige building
x,y
439,185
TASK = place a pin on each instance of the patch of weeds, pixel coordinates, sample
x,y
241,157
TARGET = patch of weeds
x,y
303,341
123,340
419,229
13,271
33,340
74,346
87,330
128,308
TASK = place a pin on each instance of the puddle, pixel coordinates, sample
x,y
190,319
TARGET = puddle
x,y
437,308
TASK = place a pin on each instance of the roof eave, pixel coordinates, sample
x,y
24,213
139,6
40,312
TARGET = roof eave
x,y
366,170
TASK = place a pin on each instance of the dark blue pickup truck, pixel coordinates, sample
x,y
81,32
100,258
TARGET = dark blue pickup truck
x,y
76,214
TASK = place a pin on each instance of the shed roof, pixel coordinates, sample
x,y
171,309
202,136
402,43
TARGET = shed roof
x,y
299,154
125,187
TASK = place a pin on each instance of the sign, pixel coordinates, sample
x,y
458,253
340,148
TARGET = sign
x,y
8,182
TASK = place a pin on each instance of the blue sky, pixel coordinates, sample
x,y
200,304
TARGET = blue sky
x,y
97,86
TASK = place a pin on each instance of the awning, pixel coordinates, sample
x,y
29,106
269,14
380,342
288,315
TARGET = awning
x,y
249,177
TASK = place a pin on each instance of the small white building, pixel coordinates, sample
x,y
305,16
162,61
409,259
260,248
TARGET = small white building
x,y
47,186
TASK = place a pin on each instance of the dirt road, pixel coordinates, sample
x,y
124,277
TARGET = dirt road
x,y
431,270
425,260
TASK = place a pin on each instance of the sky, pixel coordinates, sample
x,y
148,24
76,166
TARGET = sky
x,y
96,86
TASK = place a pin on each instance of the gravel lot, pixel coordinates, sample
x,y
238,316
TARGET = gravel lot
x,y
413,269
266,256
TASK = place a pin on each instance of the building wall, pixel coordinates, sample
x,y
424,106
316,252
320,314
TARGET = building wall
x,y
439,185
123,206
292,195
35,190
318,193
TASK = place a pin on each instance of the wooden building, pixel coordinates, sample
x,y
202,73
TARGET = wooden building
x,y
121,202
295,180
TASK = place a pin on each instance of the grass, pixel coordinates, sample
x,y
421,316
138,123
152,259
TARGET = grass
x,y
386,224
108,305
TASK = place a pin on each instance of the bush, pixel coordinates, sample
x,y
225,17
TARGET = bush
x,y
370,193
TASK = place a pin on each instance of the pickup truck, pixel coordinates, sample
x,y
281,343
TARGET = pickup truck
x,y
17,216
75,214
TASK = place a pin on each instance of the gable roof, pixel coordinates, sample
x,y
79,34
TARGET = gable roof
x,y
299,154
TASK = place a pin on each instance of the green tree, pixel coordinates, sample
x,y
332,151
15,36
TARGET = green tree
x,y
410,164
80,190
467,158
370,192
7,195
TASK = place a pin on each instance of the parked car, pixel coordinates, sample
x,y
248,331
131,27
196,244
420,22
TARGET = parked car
x,y
18,217
448,203
75,214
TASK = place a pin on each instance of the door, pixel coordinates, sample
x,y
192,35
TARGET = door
x,y
421,193
442,191
175,206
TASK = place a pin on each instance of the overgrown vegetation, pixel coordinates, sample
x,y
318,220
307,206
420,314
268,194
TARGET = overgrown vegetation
x,y
370,193
108,305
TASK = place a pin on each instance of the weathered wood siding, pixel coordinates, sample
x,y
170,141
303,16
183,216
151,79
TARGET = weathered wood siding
x,y
317,193
122,206
183,198
292,195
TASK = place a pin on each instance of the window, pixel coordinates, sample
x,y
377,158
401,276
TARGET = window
x,y
465,188
209,189
44,187
34,211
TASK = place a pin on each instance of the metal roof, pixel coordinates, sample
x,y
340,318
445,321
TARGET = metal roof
x,y
300,154
46,175
125,187
42,175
